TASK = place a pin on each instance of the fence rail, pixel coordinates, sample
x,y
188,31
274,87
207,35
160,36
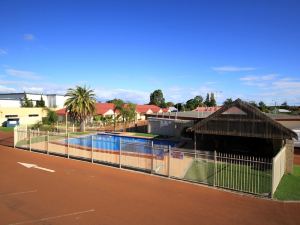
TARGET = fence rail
x,y
230,171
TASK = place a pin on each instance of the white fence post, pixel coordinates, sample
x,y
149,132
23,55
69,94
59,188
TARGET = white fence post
x,y
152,158
273,178
47,142
120,154
15,136
215,168
68,145
29,140
169,162
92,150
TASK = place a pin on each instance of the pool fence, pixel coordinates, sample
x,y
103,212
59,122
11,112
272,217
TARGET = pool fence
x,y
249,174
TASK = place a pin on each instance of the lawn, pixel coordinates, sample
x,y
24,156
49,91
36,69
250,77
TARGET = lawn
x,y
144,135
289,186
81,133
6,129
233,176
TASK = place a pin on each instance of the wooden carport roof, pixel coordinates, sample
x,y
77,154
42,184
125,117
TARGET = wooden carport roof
x,y
242,119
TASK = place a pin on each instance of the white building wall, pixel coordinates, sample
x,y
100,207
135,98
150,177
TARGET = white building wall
x,y
37,97
110,112
14,100
60,101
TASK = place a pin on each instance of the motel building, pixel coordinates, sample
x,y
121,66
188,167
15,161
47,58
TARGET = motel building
x,y
107,110
12,113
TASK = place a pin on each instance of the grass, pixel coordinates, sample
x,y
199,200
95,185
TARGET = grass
x,y
232,176
6,129
289,186
80,133
144,135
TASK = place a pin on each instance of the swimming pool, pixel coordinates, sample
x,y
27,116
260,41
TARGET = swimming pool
x,y
113,142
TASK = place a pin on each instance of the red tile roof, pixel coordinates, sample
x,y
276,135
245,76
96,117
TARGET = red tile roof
x,y
61,112
101,108
145,108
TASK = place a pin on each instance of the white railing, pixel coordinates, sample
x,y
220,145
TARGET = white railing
x,y
256,175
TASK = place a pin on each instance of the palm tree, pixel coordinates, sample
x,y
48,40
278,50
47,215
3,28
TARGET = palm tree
x,y
80,104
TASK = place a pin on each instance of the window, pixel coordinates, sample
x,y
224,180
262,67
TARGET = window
x,y
9,116
33,115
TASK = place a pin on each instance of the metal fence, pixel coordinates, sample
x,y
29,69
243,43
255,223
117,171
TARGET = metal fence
x,y
230,171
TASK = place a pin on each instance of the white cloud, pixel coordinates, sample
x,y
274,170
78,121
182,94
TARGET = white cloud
x,y
259,81
22,74
33,89
269,76
6,89
273,88
232,69
283,84
2,51
28,37
134,96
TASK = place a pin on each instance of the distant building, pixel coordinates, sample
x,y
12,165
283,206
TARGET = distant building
x,y
14,100
142,110
107,109
283,111
21,116
12,112
170,109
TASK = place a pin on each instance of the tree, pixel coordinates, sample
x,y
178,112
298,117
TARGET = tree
x,y
40,103
128,113
212,100
193,103
26,102
198,100
157,98
284,105
227,101
52,117
262,106
207,100
179,107
118,106
80,104
253,103
170,104
115,100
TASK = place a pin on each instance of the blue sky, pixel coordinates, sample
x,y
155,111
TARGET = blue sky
x,y
127,49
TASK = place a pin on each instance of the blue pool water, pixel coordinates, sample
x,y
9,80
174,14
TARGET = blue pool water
x,y
131,144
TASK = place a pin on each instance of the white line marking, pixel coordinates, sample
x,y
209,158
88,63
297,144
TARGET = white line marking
x,y
18,193
27,165
53,217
